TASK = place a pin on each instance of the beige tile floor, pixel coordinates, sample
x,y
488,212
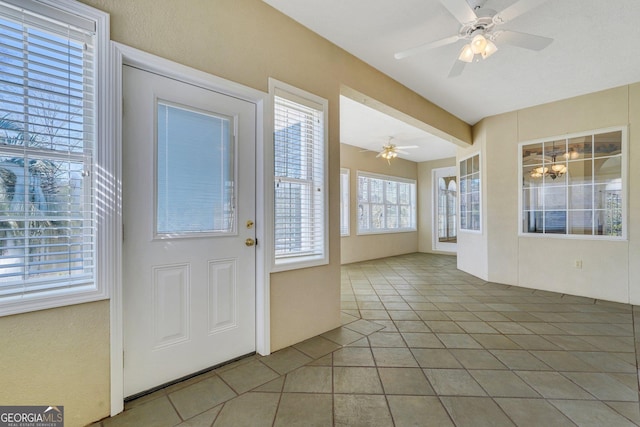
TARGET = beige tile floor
x,y
423,344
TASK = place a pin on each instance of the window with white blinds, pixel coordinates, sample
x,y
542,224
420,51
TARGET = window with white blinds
x,y
386,204
300,219
344,202
47,143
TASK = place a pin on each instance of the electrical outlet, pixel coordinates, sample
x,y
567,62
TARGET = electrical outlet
x,y
578,263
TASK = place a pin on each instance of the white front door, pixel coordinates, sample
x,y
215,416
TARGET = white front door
x,y
188,213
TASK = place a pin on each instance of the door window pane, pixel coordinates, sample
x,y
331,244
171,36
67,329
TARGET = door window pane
x,y
195,172
470,193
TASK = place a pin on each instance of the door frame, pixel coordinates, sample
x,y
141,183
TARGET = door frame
x,y
125,55
436,245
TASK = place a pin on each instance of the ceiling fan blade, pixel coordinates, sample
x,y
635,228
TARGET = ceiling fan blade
x,y
405,147
527,41
426,46
380,154
518,8
460,9
457,69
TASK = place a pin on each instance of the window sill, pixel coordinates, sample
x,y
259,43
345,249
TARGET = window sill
x,y
296,263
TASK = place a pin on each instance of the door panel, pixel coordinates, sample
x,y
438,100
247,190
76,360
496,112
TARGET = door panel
x,y
188,276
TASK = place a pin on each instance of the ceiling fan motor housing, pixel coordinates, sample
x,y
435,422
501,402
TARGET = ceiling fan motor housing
x,y
483,25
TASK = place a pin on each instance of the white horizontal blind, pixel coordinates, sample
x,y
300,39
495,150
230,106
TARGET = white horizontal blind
x,y
344,202
47,138
386,204
299,177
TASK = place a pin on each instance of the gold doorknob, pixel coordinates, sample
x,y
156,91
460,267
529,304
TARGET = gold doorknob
x,y
249,242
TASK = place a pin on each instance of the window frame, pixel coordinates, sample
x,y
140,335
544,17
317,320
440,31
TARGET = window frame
x,y
413,204
345,202
303,97
107,222
624,156
461,194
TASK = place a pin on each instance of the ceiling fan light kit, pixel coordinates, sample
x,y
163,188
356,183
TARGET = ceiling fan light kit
x,y
478,28
479,45
391,151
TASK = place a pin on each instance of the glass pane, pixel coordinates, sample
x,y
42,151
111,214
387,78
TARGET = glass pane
x,y
533,222
476,164
363,189
363,216
532,154
405,217
392,192
579,148
554,148
581,222
463,168
392,216
555,197
532,175
532,199
555,174
377,216
377,194
195,173
581,197
609,221
447,201
45,215
288,210
580,172
608,199
475,220
608,169
405,193
555,222
607,144
464,183
475,182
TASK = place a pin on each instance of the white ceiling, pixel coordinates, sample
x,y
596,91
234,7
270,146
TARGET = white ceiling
x,y
595,47
365,127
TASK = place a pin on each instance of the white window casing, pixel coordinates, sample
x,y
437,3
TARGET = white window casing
x,y
57,186
575,186
386,204
300,178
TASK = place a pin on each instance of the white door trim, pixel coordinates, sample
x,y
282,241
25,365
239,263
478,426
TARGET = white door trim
x,y
120,55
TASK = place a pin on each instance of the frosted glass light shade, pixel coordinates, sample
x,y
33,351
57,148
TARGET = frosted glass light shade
x,y
478,44
466,54
489,50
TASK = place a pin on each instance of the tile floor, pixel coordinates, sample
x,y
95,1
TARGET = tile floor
x,y
423,344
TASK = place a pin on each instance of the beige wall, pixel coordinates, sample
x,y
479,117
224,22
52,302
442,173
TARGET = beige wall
x,y
610,268
425,202
58,357
245,41
356,248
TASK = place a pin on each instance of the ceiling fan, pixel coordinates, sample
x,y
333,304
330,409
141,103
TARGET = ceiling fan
x,y
480,28
391,151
